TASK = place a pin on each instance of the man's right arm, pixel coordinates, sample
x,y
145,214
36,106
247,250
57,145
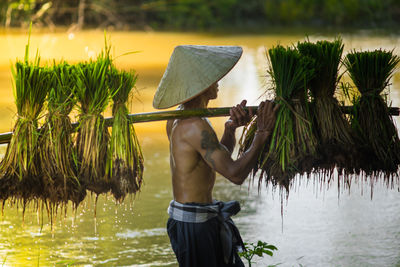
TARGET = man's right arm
x,y
203,138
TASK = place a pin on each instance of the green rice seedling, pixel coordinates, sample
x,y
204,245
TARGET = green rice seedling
x,y
93,96
336,141
292,142
19,170
57,154
125,160
371,72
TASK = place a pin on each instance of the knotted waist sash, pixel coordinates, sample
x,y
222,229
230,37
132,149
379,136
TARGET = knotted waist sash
x,y
199,213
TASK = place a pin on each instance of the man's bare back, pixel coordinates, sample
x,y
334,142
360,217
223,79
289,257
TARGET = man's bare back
x,y
192,178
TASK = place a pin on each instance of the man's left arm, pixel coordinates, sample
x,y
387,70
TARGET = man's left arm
x,y
238,117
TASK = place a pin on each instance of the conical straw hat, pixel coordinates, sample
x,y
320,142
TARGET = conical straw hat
x,y
191,70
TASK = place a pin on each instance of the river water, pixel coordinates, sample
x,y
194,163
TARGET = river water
x,y
316,226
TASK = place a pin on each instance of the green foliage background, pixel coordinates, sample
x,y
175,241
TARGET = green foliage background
x,y
204,14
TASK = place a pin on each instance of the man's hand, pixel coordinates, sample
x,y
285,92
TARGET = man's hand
x,y
266,116
238,116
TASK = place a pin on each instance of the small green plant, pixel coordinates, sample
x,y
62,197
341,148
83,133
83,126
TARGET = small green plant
x,y
259,249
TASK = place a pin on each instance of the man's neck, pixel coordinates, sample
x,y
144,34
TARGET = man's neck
x,y
195,104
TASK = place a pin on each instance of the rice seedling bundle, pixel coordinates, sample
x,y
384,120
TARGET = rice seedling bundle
x,y
19,169
92,139
335,140
57,154
125,159
371,72
292,143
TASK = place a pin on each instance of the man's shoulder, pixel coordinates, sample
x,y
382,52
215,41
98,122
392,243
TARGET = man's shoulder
x,y
192,123
191,127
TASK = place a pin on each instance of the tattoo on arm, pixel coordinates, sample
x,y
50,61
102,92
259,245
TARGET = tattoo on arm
x,y
210,143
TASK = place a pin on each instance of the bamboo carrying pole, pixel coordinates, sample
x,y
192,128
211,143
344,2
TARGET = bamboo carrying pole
x,y
181,114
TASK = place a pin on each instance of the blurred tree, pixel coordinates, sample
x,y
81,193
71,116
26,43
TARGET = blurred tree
x,y
204,14
17,11
63,12
200,14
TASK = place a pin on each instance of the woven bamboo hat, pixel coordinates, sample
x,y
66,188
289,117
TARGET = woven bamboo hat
x,y
191,70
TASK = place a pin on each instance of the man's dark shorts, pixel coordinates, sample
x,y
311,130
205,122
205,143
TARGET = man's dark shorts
x,y
198,244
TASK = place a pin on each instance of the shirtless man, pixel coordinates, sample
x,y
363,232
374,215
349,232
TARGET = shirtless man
x,y
200,229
